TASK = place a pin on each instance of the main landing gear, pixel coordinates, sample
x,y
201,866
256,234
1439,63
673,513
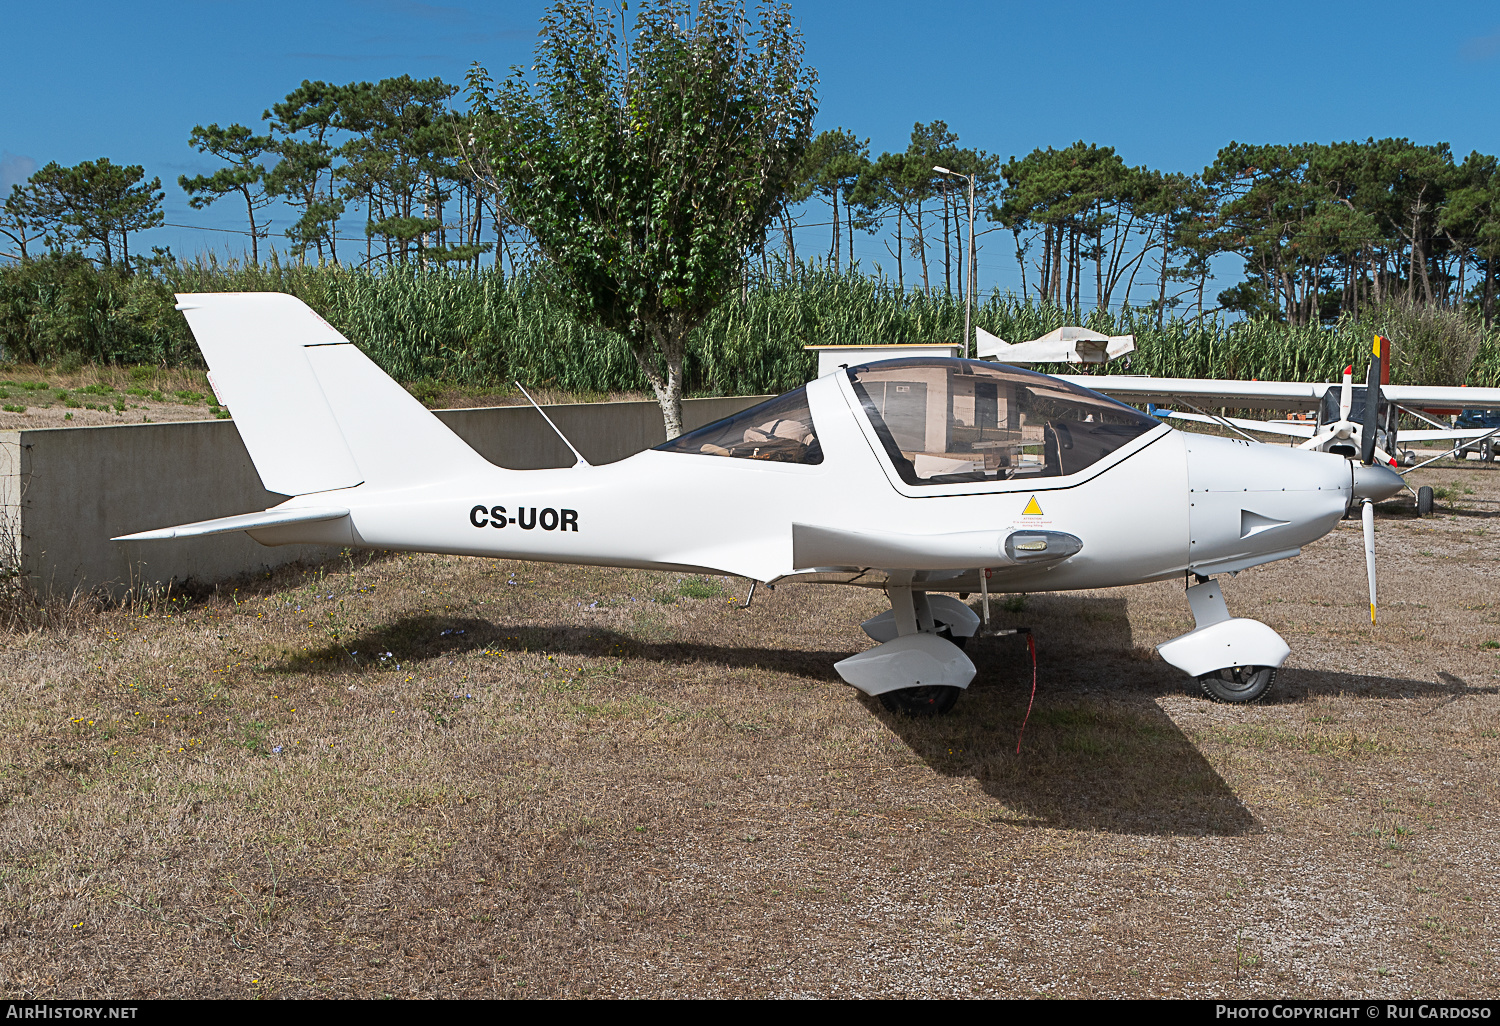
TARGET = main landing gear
x,y
919,667
1234,659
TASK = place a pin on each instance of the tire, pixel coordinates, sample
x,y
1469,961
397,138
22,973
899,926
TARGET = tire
x,y
1424,501
928,700
1238,685
947,635
1487,451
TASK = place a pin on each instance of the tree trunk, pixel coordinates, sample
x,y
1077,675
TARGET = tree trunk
x,y
1099,263
1161,297
668,390
1489,292
834,251
947,254
849,218
791,245
1044,285
921,244
1071,257
1020,258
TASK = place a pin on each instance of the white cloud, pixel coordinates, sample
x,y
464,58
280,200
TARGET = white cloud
x,y
14,169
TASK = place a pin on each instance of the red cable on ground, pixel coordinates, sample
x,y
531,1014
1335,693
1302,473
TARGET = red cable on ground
x,y
1031,647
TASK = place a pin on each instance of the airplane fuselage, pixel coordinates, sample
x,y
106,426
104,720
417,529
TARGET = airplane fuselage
x,y
1165,503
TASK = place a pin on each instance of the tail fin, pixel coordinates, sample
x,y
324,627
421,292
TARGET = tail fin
x,y
314,412
987,345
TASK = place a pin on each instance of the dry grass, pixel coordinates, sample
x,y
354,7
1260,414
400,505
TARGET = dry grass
x,y
567,782
41,397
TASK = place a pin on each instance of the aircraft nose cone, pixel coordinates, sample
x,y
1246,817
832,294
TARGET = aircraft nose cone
x,y
1375,482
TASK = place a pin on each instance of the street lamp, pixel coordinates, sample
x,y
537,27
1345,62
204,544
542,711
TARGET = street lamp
x,y
969,280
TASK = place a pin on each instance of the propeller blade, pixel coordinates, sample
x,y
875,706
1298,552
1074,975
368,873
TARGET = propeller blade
x,y
1346,396
1367,514
1372,404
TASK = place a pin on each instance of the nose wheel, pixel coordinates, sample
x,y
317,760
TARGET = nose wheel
x,y
932,700
1238,684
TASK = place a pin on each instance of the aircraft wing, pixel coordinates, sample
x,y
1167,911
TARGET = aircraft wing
x,y
1450,435
1442,397
1244,395
1264,426
1271,395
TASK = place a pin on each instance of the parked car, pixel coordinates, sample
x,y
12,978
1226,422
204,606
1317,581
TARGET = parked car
x,y
1485,447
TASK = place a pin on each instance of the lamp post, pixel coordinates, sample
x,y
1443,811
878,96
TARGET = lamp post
x,y
969,278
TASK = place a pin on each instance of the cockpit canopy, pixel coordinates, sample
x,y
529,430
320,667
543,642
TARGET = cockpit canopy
x,y
942,421
780,430
958,421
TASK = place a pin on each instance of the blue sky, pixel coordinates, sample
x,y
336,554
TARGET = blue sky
x,y
1164,83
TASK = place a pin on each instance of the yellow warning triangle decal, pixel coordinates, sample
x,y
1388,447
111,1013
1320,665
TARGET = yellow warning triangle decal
x,y
1032,509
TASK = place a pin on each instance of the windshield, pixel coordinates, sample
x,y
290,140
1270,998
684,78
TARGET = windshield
x,y
780,430
1329,411
951,421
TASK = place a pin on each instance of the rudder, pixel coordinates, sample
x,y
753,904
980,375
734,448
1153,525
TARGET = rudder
x,y
314,412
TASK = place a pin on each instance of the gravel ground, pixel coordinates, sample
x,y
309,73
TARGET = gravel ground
x,y
444,777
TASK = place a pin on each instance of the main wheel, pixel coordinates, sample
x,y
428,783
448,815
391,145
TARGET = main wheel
x,y
1424,501
1238,684
928,700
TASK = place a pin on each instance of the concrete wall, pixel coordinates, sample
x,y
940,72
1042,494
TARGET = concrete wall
x,y
64,492
517,437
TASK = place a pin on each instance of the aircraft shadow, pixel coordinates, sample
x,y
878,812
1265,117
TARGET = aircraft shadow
x,y
417,638
1097,752
1299,685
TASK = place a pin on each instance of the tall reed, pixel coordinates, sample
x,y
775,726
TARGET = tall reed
x,y
475,328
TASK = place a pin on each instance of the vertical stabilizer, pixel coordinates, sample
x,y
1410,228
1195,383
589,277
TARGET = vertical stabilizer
x,y
314,412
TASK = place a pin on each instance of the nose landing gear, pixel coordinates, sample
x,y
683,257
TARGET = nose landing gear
x,y
1252,650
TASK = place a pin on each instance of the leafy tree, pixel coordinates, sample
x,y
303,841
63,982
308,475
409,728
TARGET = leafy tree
x,y
832,167
20,223
242,150
91,204
1086,205
304,176
895,183
403,162
1471,220
647,168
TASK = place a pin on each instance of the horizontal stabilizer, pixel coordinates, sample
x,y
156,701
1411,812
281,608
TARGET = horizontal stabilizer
x,y
243,522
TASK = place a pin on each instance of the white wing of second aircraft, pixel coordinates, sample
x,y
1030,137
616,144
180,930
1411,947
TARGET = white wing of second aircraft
x,y
1273,395
1270,427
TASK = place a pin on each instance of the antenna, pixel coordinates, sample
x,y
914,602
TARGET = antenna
x,y
581,461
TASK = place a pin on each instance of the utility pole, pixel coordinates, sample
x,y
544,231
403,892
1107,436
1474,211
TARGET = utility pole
x,y
970,278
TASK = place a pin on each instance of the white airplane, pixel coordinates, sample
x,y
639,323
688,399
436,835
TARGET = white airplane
x,y
1064,345
920,476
